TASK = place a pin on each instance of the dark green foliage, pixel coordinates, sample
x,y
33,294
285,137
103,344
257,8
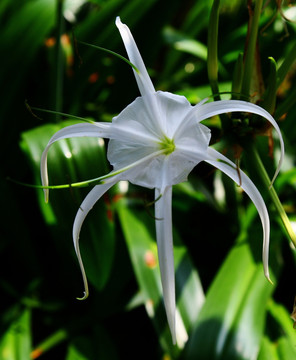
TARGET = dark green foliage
x,y
229,309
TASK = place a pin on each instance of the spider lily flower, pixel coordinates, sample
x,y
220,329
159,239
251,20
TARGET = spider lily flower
x,y
155,142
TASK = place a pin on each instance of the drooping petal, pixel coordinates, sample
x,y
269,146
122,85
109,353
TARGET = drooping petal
x,y
220,107
92,197
229,168
144,82
163,214
78,130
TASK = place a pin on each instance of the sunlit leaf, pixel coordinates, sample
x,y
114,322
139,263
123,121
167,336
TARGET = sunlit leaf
x,y
69,161
15,344
183,43
231,322
267,350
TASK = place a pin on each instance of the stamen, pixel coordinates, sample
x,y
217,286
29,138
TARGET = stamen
x,y
168,145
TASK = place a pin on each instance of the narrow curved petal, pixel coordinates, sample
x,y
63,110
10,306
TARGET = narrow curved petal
x,y
163,214
78,130
92,197
220,107
229,168
143,80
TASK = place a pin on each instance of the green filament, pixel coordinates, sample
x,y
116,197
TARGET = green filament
x,y
168,145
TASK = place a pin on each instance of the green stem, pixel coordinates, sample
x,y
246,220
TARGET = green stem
x,y
286,65
51,342
251,48
269,100
287,103
68,332
59,61
257,162
212,60
112,53
237,77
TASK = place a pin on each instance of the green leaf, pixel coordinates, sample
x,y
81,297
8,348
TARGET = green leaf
x,y
50,342
69,161
21,38
250,52
97,345
283,320
182,42
249,325
74,353
258,165
16,341
270,93
237,75
267,350
286,105
288,61
286,349
212,58
286,178
231,322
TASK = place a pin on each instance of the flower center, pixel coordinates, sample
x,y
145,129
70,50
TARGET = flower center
x,y
168,145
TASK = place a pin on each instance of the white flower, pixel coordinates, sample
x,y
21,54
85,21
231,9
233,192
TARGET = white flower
x,y
155,142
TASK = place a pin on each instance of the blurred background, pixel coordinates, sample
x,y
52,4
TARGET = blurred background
x,y
228,308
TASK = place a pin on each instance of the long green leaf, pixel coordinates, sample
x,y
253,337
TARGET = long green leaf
x,y
71,160
16,342
232,313
212,58
20,39
267,350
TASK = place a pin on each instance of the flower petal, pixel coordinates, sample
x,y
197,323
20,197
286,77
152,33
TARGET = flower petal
x,y
229,168
141,138
139,120
92,197
163,214
220,107
144,82
78,130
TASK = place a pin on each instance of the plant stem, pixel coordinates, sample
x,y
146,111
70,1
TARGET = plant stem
x,y
250,51
212,60
257,162
286,65
59,61
52,341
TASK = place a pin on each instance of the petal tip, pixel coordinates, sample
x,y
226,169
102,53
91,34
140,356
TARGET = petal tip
x,y
266,273
85,296
118,22
46,196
